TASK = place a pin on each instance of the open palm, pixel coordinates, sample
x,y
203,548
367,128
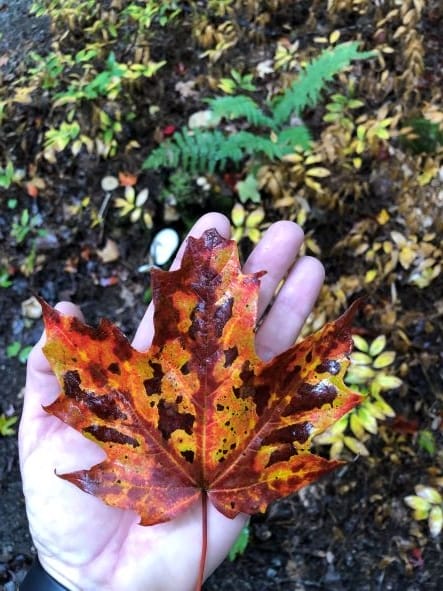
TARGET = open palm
x,y
87,545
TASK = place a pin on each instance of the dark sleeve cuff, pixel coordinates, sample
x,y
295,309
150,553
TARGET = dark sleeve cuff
x,y
38,579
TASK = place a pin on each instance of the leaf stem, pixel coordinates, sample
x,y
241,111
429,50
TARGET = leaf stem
x,y
201,570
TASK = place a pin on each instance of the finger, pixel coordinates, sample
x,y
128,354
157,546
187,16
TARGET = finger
x,y
145,331
275,253
292,306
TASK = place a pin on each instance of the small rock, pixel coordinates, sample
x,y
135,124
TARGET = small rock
x,y
110,252
203,120
163,246
31,308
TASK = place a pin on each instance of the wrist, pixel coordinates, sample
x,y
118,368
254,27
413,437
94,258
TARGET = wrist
x,y
37,579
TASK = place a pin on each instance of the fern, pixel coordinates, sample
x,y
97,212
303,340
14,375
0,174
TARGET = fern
x,y
202,151
235,107
305,90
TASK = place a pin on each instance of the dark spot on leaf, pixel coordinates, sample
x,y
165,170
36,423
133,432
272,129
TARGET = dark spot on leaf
x,y
179,399
114,368
309,357
232,505
222,314
103,407
329,366
231,355
299,432
109,435
185,369
188,455
122,348
296,368
97,374
311,396
261,398
233,445
153,385
170,419
282,454
220,407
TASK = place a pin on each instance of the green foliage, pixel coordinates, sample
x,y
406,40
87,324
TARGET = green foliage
x,y
153,11
426,441
24,225
240,544
6,424
237,81
427,504
16,350
305,92
367,374
201,151
9,175
425,136
4,278
248,190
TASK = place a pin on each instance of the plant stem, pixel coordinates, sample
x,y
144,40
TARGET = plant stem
x,y
201,570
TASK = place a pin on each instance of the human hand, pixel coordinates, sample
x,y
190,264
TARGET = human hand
x,y
87,545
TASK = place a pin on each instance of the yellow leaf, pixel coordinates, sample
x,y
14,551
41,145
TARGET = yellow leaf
x,y
388,382
367,420
360,343
356,446
383,217
370,275
358,358
407,256
377,345
334,37
356,426
318,171
435,521
255,218
384,359
238,214
417,503
428,493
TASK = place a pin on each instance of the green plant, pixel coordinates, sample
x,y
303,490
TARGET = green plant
x,y
237,81
25,224
427,503
132,206
6,425
4,278
240,544
16,350
9,175
162,12
368,375
201,151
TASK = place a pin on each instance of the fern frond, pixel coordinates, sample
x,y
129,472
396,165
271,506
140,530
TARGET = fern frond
x,y
235,107
292,137
305,91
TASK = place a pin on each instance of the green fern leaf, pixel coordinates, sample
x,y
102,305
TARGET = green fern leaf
x,y
292,137
235,107
305,91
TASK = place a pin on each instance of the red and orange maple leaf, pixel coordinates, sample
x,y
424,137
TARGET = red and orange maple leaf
x,y
199,412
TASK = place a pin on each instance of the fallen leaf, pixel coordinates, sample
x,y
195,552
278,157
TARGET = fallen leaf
x,y
199,411
126,179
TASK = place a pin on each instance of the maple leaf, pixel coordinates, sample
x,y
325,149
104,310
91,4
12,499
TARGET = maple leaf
x,y
199,412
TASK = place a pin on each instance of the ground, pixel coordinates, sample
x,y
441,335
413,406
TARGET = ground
x,y
352,530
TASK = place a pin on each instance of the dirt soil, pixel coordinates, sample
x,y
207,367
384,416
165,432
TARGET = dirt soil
x,y
349,532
